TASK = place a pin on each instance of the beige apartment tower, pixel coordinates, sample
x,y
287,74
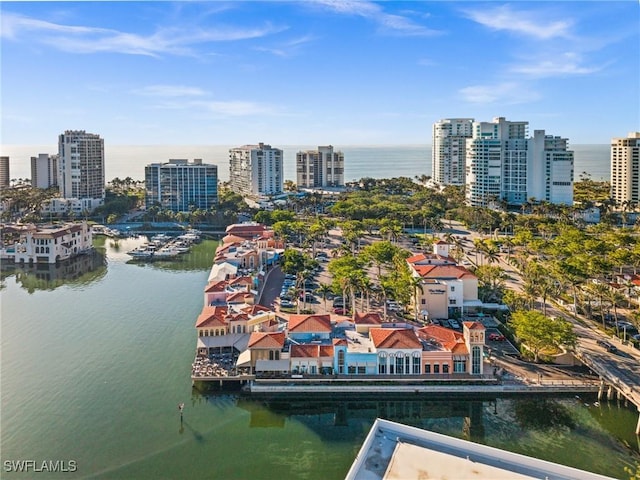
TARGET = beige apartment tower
x,y
625,169
320,168
4,172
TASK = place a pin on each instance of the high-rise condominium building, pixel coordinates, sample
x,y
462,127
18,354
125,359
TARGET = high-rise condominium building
x,y
449,150
504,166
181,186
4,172
320,168
81,167
625,169
44,171
256,170
550,169
496,163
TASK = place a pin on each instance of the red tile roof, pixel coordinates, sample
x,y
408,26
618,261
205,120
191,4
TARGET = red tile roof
x,y
238,297
449,339
443,271
367,318
394,338
340,342
266,340
309,323
212,316
253,310
218,286
311,351
474,325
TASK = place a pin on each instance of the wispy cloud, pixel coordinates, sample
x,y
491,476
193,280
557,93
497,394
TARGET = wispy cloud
x,y
164,41
170,91
509,93
523,22
564,65
287,49
388,22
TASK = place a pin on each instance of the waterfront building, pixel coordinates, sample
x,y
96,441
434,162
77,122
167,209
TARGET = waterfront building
x,y
45,243
448,157
5,175
320,168
392,450
256,171
447,288
625,169
44,171
505,167
81,168
181,186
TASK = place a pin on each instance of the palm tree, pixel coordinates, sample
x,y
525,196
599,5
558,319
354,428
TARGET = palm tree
x,y
416,284
324,290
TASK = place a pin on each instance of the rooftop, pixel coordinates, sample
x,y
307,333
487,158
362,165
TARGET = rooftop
x,y
393,451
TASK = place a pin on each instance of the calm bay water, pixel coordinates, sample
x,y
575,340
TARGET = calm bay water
x,y
96,358
377,161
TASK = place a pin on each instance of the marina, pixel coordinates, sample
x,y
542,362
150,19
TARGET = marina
x,y
105,383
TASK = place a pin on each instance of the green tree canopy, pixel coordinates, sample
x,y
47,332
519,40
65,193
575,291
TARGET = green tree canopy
x,y
541,333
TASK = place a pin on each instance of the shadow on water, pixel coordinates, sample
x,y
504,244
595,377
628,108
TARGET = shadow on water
x,y
543,414
78,272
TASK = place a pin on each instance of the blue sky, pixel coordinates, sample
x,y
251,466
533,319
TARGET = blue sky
x,y
315,72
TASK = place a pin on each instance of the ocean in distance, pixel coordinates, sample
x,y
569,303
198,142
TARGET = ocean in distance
x,y
377,161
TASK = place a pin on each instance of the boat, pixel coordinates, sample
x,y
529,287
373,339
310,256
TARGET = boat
x,y
145,251
166,252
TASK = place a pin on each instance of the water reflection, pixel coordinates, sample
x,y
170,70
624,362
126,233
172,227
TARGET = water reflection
x,y
78,271
543,414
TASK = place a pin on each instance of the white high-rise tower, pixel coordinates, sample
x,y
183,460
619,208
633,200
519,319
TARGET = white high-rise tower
x,y
81,167
449,150
625,169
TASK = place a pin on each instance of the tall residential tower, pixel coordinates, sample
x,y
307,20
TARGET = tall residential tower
x,y
81,167
181,186
256,170
320,168
44,171
449,150
506,167
625,169
4,172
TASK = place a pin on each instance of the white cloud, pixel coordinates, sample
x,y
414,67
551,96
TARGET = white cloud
x,y
236,108
504,93
564,65
170,91
390,23
79,39
287,49
522,22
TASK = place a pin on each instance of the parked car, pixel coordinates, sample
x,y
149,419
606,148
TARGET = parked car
x,y
607,346
496,337
287,304
341,311
307,296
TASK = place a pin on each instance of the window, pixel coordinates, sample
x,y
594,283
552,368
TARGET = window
x,y
445,368
476,359
459,365
427,368
416,365
436,368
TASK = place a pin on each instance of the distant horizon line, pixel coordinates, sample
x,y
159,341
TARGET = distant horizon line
x,y
13,145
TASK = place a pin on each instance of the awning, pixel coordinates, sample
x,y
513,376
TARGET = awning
x,y
272,366
244,359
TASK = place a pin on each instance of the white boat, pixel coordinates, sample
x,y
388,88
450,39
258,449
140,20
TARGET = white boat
x,y
143,252
166,252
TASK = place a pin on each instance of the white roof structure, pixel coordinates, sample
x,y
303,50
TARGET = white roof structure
x,y
222,271
395,451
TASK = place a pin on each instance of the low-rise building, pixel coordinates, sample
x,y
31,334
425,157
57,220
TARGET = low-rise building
x,y
45,243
